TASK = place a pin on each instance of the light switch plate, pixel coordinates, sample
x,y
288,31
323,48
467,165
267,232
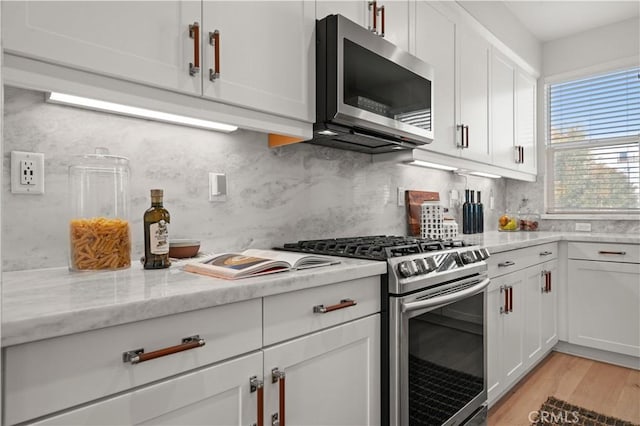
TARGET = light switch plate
x,y
400,196
217,187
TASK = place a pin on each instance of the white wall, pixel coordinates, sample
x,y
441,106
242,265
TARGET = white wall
x,y
592,48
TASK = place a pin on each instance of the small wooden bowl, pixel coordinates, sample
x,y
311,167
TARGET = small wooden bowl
x,y
180,249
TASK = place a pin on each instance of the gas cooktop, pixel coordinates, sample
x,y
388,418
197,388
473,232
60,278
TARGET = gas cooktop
x,y
374,247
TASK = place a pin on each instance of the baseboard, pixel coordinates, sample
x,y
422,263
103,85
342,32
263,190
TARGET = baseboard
x,y
598,355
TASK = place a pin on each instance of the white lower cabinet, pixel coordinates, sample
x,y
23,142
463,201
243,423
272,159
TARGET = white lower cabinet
x,y
331,377
324,340
218,395
604,296
505,355
521,314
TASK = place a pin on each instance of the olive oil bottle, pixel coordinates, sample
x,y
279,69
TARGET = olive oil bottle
x,y
156,233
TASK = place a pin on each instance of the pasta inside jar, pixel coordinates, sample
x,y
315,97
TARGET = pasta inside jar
x,y
99,243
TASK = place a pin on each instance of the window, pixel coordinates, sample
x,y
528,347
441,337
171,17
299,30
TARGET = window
x,y
593,133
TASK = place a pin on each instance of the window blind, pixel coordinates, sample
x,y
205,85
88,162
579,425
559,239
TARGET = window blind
x,y
592,147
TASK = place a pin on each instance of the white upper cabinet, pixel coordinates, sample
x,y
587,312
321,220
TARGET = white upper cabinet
x,y
354,10
392,16
266,55
526,121
435,44
503,111
513,121
263,52
142,41
473,94
396,22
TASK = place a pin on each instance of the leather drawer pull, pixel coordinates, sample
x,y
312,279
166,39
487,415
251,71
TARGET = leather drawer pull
x,y
138,355
344,303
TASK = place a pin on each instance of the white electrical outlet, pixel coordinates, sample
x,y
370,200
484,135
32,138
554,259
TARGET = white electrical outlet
x,y
27,172
585,227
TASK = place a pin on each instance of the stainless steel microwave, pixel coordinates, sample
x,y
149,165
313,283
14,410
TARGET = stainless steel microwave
x,y
371,96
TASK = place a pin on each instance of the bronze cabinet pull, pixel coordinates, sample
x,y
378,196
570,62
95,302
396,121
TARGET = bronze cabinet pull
x,y
620,253
194,33
257,385
505,264
344,303
373,6
138,355
381,9
504,309
214,40
278,376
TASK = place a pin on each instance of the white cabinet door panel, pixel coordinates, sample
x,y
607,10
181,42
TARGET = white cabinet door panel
x,y
218,395
266,57
397,22
332,377
473,89
354,10
141,41
603,306
526,120
435,44
502,111
550,307
532,340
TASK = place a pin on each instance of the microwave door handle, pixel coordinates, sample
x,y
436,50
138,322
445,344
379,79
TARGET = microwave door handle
x,y
446,299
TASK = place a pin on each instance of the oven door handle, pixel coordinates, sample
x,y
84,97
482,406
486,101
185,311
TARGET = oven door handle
x,y
445,300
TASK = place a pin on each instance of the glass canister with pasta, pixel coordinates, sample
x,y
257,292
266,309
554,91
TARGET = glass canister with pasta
x,y
99,234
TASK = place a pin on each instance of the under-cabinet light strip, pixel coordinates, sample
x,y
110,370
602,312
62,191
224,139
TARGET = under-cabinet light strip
x,y
421,163
487,175
95,104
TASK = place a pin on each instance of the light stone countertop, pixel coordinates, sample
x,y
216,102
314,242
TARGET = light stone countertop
x,y
44,303
497,241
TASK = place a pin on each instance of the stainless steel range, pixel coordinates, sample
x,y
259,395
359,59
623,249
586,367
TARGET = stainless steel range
x,y
434,348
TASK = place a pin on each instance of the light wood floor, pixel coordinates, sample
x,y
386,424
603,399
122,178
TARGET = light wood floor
x,y
605,388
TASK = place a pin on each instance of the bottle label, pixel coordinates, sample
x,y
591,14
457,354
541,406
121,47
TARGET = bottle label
x,y
159,237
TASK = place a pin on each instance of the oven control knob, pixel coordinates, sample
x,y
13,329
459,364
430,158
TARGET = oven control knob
x,y
431,264
482,254
421,266
407,268
468,257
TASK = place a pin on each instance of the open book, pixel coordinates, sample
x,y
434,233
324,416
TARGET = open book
x,y
254,262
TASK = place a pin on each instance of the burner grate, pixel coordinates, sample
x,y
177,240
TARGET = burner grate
x,y
436,393
374,247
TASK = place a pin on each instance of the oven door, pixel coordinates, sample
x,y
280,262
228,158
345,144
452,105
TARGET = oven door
x,y
438,354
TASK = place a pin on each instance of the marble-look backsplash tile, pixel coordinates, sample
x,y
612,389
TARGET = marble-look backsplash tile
x,y
275,196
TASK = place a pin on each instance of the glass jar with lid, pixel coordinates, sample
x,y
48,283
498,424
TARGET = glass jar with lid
x,y
99,234
529,221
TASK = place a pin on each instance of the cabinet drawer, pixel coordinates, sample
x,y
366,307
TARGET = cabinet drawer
x,y
606,252
514,260
48,375
292,314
